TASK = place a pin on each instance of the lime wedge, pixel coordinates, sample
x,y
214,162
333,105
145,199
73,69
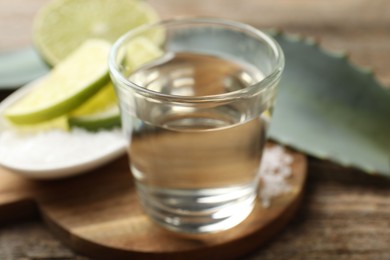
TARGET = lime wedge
x,y
100,111
101,101
66,87
62,25
140,51
106,119
59,123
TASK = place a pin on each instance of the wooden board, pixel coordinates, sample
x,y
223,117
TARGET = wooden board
x,y
97,214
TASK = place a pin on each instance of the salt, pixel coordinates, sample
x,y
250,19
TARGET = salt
x,y
274,172
57,148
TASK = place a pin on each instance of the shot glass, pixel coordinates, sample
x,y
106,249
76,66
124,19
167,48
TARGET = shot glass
x,y
196,96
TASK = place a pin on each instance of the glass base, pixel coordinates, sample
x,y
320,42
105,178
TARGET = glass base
x,y
199,210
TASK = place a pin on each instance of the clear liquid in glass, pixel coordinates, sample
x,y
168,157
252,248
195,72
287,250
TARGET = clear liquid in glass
x,y
196,167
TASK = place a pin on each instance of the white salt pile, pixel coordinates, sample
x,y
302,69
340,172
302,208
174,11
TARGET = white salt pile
x,y
274,172
56,148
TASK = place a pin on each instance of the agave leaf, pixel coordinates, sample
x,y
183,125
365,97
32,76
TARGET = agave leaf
x,y
20,67
331,109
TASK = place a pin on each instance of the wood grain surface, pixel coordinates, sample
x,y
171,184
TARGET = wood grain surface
x,y
98,214
345,213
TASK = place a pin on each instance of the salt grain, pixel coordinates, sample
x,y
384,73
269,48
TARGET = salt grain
x,y
274,171
56,148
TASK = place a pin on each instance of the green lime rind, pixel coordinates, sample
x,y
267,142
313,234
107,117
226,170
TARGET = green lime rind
x,y
105,120
99,112
102,101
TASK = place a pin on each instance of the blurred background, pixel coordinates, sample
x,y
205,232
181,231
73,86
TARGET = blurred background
x,y
360,27
345,213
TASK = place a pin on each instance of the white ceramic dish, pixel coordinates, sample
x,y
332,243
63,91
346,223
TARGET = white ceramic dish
x,y
110,147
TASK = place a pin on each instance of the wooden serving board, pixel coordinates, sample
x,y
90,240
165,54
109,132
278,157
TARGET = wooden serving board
x,y
97,214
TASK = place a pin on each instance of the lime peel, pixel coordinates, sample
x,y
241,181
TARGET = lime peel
x,y
102,100
102,120
100,111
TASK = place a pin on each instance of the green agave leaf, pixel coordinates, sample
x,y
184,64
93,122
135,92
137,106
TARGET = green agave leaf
x,y
331,109
20,67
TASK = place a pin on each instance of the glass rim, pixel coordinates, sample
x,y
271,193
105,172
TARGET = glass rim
x,y
254,87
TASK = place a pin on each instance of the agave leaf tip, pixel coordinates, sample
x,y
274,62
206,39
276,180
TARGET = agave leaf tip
x,y
336,53
315,41
365,69
294,37
275,32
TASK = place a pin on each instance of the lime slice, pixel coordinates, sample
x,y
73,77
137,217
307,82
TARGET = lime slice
x,y
106,119
66,87
59,123
267,114
62,25
140,51
100,111
101,101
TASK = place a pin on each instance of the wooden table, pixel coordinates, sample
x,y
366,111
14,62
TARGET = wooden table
x,y
345,213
